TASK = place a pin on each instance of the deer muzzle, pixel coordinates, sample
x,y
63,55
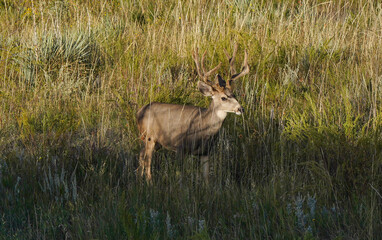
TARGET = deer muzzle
x,y
240,111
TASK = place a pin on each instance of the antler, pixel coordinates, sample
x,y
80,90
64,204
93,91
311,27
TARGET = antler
x,y
231,60
203,75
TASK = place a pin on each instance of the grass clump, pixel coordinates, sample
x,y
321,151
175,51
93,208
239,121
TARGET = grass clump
x,y
57,57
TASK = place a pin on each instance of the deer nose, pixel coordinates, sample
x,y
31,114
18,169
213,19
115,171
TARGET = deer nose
x,y
241,109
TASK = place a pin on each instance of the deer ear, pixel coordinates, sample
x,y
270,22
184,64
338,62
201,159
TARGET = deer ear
x,y
221,81
205,89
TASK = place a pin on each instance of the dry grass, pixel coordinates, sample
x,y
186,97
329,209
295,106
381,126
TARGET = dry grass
x,y
303,162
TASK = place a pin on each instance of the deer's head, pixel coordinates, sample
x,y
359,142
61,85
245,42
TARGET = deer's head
x,y
220,90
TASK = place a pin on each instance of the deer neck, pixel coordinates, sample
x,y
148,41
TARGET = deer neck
x,y
213,118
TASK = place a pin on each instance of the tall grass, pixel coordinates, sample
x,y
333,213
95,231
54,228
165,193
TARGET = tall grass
x,y
305,161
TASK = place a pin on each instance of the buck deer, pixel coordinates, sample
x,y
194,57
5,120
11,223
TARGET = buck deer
x,y
190,129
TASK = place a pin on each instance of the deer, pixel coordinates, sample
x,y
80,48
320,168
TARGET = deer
x,y
188,129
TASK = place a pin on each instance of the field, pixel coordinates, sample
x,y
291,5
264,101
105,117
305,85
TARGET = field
x,y
303,162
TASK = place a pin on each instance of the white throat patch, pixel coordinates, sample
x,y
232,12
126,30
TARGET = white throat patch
x,y
221,114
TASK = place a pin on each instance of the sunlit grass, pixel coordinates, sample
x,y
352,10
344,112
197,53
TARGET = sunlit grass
x,y
303,162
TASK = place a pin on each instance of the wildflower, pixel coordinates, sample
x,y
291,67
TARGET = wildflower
x,y
202,223
154,217
190,221
289,208
312,204
170,230
324,211
299,212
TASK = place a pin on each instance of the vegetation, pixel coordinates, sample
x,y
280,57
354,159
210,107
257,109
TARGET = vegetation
x,y
304,162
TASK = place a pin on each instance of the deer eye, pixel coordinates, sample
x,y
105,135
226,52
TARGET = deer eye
x,y
224,98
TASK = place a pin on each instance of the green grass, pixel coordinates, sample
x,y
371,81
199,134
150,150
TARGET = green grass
x,y
304,162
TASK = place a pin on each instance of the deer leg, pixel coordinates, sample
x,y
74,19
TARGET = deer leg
x,y
179,156
150,145
141,167
205,167
145,159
